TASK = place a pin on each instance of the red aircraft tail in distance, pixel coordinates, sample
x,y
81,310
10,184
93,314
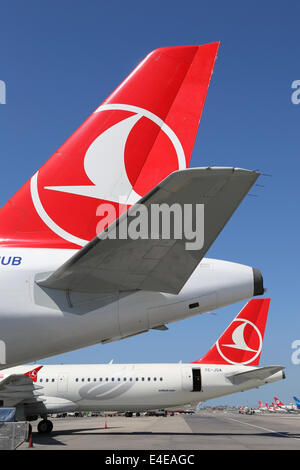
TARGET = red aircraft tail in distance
x,y
278,402
141,133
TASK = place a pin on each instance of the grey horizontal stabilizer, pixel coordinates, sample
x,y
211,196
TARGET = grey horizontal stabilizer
x,y
156,262
261,373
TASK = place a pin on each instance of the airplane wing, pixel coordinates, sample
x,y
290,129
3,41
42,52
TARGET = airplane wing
x,y
16,388
153,263
261,373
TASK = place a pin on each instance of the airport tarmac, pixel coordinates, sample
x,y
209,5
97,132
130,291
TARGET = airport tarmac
x,y
201,431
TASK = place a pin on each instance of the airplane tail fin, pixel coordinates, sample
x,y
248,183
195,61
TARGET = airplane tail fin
x,y
278,402
241,343
297,401
141,133
33,373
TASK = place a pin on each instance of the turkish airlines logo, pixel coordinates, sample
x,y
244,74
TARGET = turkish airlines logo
x,y
241,343
33,373
114,164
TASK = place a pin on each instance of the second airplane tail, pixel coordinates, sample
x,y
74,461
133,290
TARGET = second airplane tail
x,y
242,341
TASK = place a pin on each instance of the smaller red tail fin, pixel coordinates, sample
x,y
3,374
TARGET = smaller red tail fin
x,y
242,341
33,373
278,402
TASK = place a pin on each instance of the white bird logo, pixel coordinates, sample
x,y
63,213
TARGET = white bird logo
x,y
104,161
238,342
105,166
110,179
238,339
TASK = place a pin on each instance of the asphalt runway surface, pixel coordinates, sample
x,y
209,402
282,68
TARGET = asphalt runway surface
x,y
202,431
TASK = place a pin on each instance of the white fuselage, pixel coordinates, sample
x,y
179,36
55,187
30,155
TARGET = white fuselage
x,y
128,387
38,322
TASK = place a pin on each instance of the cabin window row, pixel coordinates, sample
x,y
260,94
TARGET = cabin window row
x,y
112,379
119,379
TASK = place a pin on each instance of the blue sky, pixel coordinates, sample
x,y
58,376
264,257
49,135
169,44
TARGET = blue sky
x,y
61,59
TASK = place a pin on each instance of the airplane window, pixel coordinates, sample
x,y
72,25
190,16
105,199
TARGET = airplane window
x,y
100,380
137,379
143,378
119,379
95,380
89,379
130,379
124,379
149,379
106,380
112,379
53,380
47,380
76,380
154,379
41,380
161,379
82,380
